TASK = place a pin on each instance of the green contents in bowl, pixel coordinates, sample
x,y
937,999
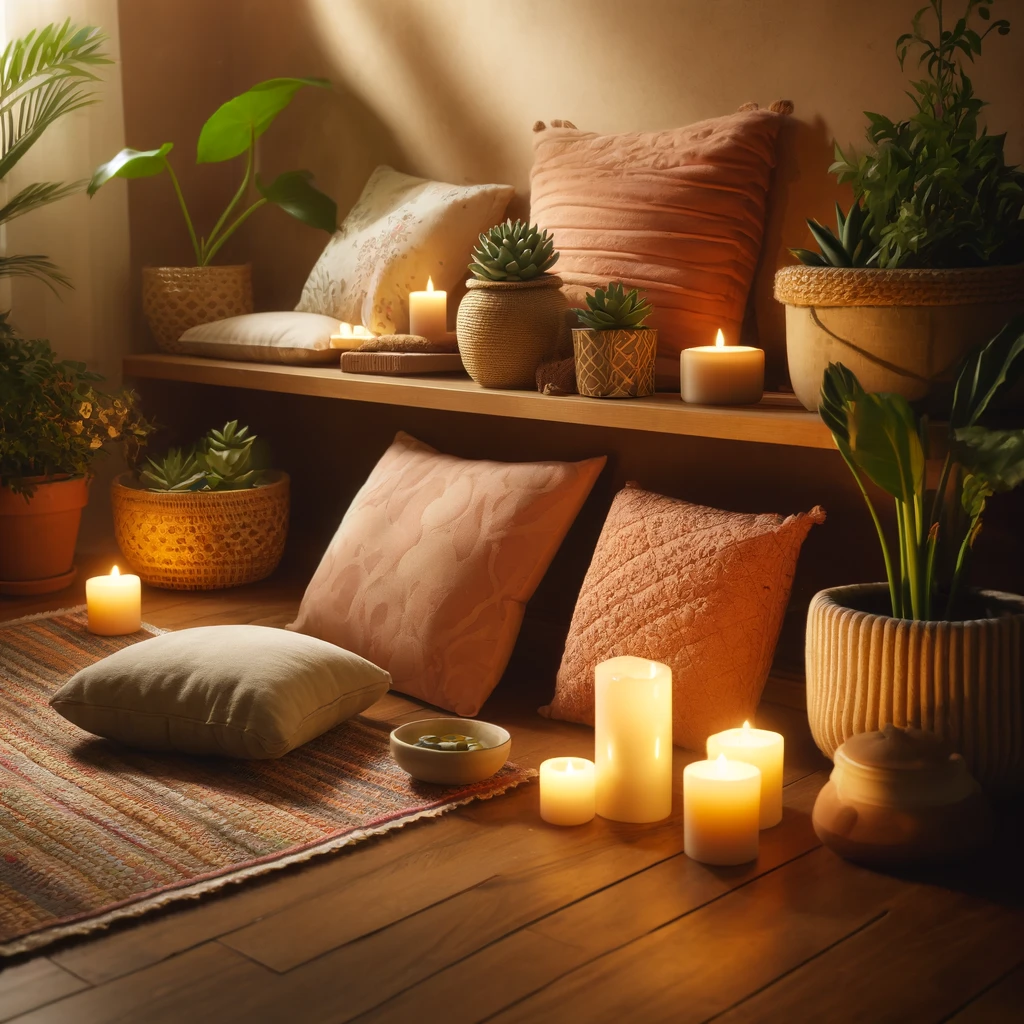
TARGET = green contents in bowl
x,y
450,741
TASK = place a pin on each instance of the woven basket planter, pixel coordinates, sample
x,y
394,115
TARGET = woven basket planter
x,y
201,540
177,298
615,364
962,680
902,331
506,329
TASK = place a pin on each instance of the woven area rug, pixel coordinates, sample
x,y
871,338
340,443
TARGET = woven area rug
x,y
91,831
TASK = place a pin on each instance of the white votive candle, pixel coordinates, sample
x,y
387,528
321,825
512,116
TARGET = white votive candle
x,y
567,790
764,750
114,603
350,336
428,313
721,374
633,739
720,811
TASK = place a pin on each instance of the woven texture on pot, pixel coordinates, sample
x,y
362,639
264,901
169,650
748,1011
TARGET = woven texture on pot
x,y
506,329
962,680
844,286
615,363
202,540
177,298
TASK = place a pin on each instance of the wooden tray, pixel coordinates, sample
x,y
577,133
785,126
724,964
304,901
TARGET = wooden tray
x,y
400,363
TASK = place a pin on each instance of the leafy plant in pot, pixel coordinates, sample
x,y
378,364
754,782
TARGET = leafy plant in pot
x,y
615,353
512,318
204,518
54,423
927,263
922,649
177,298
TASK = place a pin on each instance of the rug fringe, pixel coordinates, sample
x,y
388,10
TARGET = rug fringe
x,y
190,892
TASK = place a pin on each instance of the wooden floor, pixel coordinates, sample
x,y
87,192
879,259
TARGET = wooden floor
x,y
489,914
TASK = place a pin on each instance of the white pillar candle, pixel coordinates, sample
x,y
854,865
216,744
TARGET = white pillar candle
x,y
721,374
633,739
764,750
720,811
114,603
428,313
567,790
350,336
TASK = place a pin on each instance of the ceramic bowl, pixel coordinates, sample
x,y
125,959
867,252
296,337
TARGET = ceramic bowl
x,y
450,767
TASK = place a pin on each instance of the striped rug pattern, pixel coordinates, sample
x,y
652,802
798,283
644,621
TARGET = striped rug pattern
x,y
91,831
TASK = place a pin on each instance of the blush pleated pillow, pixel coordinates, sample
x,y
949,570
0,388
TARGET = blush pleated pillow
x,y
702,590
431,568
678,213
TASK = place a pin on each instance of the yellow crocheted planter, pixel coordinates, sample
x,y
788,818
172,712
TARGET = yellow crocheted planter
x,y
201,540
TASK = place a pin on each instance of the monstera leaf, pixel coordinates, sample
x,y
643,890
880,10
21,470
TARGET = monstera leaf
x,y
294,192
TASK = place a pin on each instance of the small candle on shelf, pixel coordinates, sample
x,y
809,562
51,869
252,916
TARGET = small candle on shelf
x,y
567,790
350,336
720,811
764,750
721,374
428,313
114,603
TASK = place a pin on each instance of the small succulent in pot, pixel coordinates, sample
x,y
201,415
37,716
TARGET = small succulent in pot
x,y
513,252
615,352
222,461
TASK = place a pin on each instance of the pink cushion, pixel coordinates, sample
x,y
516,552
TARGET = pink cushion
x,y
702,590
679,213
432,565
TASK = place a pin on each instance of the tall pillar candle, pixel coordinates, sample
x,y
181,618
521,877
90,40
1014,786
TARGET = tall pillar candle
x,y
633,739
428,313
720,811
764,750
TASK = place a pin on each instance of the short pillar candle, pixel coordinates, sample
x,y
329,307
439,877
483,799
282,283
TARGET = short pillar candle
x,y
764,750
720,811
114,603
567,790
721,374
428,313
633,739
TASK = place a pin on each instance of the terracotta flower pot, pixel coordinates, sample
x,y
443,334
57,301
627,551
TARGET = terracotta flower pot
x,y
961,680
38,536
177,298
506,329
615,364
901,331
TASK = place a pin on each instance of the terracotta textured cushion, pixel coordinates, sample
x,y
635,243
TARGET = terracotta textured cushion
x,y
432,565
678,213
702,590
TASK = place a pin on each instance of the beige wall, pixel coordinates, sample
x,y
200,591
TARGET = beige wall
x,y
451,88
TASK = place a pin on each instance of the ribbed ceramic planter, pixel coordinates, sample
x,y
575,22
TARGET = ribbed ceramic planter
x,y
616,363
962,680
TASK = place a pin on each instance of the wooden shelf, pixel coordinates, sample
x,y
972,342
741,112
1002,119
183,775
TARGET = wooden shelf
x,y
778,419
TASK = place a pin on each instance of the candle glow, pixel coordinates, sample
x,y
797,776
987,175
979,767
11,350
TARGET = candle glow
x,y
428,312
763,749
114,603
720,811
567,790
721,374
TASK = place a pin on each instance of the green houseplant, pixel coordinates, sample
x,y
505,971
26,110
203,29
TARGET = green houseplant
x,y
615,353
176,298
923,649
512,317
203,518
927,262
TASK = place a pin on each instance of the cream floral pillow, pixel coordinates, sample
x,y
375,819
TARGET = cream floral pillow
x,y
401,231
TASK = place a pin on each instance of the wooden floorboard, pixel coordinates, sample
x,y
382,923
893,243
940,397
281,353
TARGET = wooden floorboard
x,y
34,983
1001,1003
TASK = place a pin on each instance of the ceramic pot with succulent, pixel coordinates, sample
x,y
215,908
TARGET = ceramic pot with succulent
x,y
204,518
927,264
923,649
614,352
512,318
54,423
177,298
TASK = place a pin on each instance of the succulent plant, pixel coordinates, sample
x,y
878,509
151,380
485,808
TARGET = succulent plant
x,y
176,471
614,308
513,252
850,245
227,457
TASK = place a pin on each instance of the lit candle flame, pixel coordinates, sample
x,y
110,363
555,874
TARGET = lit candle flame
x,y
719,339
568,767
115,571
746,725
430,284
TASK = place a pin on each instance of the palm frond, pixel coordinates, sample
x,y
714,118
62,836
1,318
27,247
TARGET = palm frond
x,y
39,267
32,197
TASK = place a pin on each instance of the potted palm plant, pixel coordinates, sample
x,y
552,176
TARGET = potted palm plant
x,y
923,649
927,263
177,298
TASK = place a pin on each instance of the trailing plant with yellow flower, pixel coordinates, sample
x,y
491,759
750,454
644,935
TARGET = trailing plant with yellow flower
x,y
53,420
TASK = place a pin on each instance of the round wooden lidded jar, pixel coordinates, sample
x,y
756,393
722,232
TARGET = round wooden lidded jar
x,y
900,795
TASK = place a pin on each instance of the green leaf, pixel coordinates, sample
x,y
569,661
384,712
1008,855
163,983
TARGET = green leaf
x,y
231,128
131,163
986,371
996,456
294,193
831,248
809,258
974,495
885,444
